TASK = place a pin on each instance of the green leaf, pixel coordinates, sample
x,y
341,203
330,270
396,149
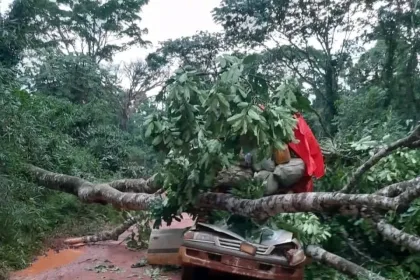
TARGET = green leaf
x,y
148,120
243,93
302,103
243,105
149,130
237,125
250,58
157,140
234,118
187,94
237,99
183,78
158,126
279,145
223,100
222,62
254,115
244,127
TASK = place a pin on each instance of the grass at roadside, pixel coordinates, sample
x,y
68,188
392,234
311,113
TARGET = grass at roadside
x,y
34,224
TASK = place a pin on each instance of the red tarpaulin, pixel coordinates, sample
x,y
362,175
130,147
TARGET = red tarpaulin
x,y
309,151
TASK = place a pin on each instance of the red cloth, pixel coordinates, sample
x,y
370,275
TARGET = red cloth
x,y
309,151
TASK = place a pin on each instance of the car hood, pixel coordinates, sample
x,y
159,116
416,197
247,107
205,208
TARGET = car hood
x,y
267,236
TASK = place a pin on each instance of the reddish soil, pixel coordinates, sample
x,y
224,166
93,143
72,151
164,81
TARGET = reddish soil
x,y
103,260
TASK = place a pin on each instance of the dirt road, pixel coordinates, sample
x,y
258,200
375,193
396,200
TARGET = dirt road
x,y
103,260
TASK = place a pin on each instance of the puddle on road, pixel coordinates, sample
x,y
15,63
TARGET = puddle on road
x,y
51,260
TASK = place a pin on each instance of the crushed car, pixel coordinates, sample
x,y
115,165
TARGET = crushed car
x,y
275,255
204,250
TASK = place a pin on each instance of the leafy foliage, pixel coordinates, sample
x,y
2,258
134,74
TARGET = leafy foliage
x,y
67,119
362,78
82,140
306,226
97,29
202,129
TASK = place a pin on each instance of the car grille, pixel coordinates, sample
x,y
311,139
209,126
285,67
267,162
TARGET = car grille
x,y
236,244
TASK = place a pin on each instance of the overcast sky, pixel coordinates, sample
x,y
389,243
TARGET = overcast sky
x,y
171,19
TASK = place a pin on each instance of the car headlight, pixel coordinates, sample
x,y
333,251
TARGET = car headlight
x,y
199,236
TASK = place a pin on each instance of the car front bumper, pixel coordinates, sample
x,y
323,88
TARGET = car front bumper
x,y
239,263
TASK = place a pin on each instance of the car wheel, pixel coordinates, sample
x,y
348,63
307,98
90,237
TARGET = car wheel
x,y
194,273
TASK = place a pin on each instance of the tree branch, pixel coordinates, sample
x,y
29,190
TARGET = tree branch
x,y
398,237
231,177
353,247
293,203
414,145
397,189
258,208
91,193
357,175
104,235
320,255
136,185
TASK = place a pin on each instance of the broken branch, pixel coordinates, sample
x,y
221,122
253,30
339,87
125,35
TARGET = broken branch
x,y
105,235
320,255
404,142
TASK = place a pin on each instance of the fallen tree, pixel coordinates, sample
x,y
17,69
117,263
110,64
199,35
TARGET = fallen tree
x,y
136,194
199,161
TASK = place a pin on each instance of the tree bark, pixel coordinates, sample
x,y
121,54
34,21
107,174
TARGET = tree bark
x,y
259,208
292,203
92,193
398,188
233,177
136,185
104,235
398,237
320,255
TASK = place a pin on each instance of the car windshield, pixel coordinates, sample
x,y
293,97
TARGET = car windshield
x,y
241,229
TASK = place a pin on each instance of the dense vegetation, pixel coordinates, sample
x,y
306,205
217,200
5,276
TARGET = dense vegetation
x,y
62,108
64,111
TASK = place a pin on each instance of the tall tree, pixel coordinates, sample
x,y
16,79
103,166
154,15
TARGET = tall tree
x,y
198,51
142,78
305,35
398,26
74,77
98,29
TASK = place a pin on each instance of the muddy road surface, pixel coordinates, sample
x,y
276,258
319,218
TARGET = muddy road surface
x,y
108,260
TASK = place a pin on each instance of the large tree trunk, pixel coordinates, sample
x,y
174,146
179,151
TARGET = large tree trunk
x,y
258,208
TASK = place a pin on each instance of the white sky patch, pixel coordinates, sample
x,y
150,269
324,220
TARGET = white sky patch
x,y
171,19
